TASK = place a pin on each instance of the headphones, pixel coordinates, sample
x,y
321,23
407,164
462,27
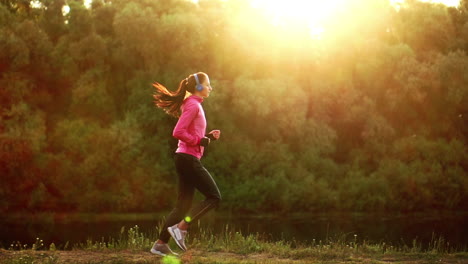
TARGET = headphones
x,y
199,86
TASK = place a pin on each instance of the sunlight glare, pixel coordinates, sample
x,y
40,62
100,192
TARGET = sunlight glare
x,y
88,3
318,15
65,10
35,4
313,13
316,31
453,3
311,10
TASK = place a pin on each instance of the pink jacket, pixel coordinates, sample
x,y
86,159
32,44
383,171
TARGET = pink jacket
x,y
191,127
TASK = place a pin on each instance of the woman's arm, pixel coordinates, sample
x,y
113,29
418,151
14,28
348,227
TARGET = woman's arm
x,y
214,135
181,129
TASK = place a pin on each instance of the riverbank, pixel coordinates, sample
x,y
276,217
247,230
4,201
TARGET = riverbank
x,y
201,256
395,229
233,247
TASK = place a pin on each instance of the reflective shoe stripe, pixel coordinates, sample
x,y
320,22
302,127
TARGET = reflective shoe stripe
x,y
202,211
177,234
177,237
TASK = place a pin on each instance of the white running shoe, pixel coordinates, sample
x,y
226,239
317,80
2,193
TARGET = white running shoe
x,y
162,250
178,235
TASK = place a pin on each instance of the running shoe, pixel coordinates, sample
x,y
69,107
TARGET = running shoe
x,y
178,235
162,249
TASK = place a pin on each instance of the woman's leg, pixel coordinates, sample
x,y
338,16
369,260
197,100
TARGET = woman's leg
x,y
204,183
186,191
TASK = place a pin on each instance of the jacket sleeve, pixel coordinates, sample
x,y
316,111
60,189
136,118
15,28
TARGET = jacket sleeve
x,y
181,132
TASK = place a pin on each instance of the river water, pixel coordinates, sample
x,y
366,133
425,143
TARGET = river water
x,y
375,228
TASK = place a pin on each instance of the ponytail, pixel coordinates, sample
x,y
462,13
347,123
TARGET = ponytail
x,y
172,101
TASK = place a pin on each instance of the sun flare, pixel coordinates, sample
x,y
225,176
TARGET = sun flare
x,y
318,15
313,13
311,10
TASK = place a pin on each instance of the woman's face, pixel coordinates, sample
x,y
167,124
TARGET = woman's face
x,y
206,88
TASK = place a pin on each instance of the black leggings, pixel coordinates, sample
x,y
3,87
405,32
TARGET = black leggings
x,y
192,175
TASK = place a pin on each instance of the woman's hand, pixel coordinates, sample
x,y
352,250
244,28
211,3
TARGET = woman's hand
x,y
216,134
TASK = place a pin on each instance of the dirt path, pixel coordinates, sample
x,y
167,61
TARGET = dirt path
x,y
191,256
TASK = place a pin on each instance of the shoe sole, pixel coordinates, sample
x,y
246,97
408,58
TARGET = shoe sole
x,y
169,229
156,252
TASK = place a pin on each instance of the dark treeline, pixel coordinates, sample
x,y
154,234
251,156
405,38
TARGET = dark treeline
x,y
371,117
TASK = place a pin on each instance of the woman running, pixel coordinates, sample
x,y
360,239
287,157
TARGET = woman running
x,y
190,131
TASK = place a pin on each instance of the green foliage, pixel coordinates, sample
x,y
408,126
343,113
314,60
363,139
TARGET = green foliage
x,y
374,120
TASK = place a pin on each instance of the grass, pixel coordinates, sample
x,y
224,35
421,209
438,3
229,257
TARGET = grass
x,y
232,246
